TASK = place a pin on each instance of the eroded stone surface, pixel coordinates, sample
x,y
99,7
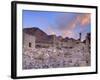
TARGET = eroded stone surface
x,y
55,58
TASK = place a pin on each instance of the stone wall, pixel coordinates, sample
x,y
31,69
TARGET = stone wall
x,y
28,41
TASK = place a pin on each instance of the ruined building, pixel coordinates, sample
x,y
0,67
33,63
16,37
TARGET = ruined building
x,y
36,38
28,41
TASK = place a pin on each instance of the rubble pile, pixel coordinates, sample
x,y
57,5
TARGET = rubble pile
x,y
40,58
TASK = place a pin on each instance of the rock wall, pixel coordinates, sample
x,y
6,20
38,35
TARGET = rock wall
x,y
28,41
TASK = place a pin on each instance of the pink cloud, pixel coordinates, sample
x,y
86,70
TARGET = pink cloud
x,y
82,20
67,31
85,20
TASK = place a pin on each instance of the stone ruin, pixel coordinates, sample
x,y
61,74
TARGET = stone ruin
x,y
62,53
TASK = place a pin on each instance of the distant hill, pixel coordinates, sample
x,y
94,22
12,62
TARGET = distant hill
x,y
41,36
38,33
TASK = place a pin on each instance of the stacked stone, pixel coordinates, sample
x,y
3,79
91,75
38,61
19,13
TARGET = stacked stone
x,y
56,58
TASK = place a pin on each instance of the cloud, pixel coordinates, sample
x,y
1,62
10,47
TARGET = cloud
x,y
66,26
50,31
79,20
68,33
85,19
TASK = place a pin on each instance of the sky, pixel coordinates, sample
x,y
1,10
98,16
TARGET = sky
x,y
65,24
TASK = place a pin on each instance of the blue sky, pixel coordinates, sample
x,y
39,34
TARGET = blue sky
x,y
65,24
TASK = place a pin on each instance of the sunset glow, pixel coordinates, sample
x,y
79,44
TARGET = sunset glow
x,y
65,24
